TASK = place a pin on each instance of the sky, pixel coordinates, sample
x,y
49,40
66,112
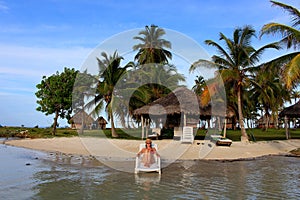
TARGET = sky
x,y
40,37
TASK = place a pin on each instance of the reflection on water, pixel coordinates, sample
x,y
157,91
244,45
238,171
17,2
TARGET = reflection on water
x,y
67,177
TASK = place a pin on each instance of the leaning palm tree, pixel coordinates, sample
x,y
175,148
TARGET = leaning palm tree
x,y
235,64
110,73
152,46
290,38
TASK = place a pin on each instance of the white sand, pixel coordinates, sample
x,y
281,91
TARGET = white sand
x,y
169,149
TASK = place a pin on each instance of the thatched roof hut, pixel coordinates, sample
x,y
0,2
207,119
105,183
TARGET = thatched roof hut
x,y
176,102
181,101
292,111
81,118
266,121
102,122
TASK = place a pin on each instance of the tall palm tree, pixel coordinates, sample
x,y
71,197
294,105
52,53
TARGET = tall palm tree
x,y
235,64
110,73
152,46
291,38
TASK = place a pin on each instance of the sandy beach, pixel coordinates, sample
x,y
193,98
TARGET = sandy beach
x,y
116,149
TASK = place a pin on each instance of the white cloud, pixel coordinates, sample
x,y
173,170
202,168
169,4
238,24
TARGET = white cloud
x,y
3,7
37,61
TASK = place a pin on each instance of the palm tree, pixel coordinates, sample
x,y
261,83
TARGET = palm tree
x,y
150,83
110,73
291,38
151,50
235,64
83,88
200,85
295,95
268,89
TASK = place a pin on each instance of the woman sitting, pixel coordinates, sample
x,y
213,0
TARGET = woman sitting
x,y
148,154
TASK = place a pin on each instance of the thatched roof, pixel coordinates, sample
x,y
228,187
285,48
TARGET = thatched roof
x,y
101,120
176,102
181,100
77,118
291,111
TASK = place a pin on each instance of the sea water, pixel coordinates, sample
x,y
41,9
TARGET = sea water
x,y
28,174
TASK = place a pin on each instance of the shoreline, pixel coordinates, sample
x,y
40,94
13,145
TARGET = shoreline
x,y
170,150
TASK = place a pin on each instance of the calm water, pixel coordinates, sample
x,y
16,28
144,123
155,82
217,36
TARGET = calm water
x,y
27,174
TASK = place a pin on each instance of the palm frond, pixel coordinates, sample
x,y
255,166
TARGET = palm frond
x,y
292,72
202,63
255,57
292,11
219,48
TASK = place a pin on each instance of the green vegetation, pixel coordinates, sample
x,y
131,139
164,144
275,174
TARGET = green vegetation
x,y
135,134
259,134
55,95
35,132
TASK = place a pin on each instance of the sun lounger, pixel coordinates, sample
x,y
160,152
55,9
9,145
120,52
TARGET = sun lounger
x,y
187,134
139,166
221,141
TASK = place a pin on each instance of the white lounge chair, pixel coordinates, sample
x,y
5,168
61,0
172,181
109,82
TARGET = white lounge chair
x,y
139,166
187,134
155,133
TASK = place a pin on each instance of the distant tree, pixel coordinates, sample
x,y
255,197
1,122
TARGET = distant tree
x,y
55,95
200,85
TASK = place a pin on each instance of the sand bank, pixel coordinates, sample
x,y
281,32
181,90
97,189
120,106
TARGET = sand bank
x,y
169,149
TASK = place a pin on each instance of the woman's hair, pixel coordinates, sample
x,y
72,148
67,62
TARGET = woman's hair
x,y
148,140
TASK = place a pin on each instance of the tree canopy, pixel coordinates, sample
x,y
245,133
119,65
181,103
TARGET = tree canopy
x,y
152,46
55,95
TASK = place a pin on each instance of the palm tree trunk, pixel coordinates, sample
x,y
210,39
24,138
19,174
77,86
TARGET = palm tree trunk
x,y
244,136
113,129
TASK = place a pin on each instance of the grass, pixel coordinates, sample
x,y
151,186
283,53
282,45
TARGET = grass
x,y
259,134
36,132
256,134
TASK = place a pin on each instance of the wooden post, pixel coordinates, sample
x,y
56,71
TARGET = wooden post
x,y
286,127
147,127
224,134
142,119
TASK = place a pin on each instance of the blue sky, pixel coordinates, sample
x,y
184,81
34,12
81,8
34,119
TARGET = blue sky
x,y
40,37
